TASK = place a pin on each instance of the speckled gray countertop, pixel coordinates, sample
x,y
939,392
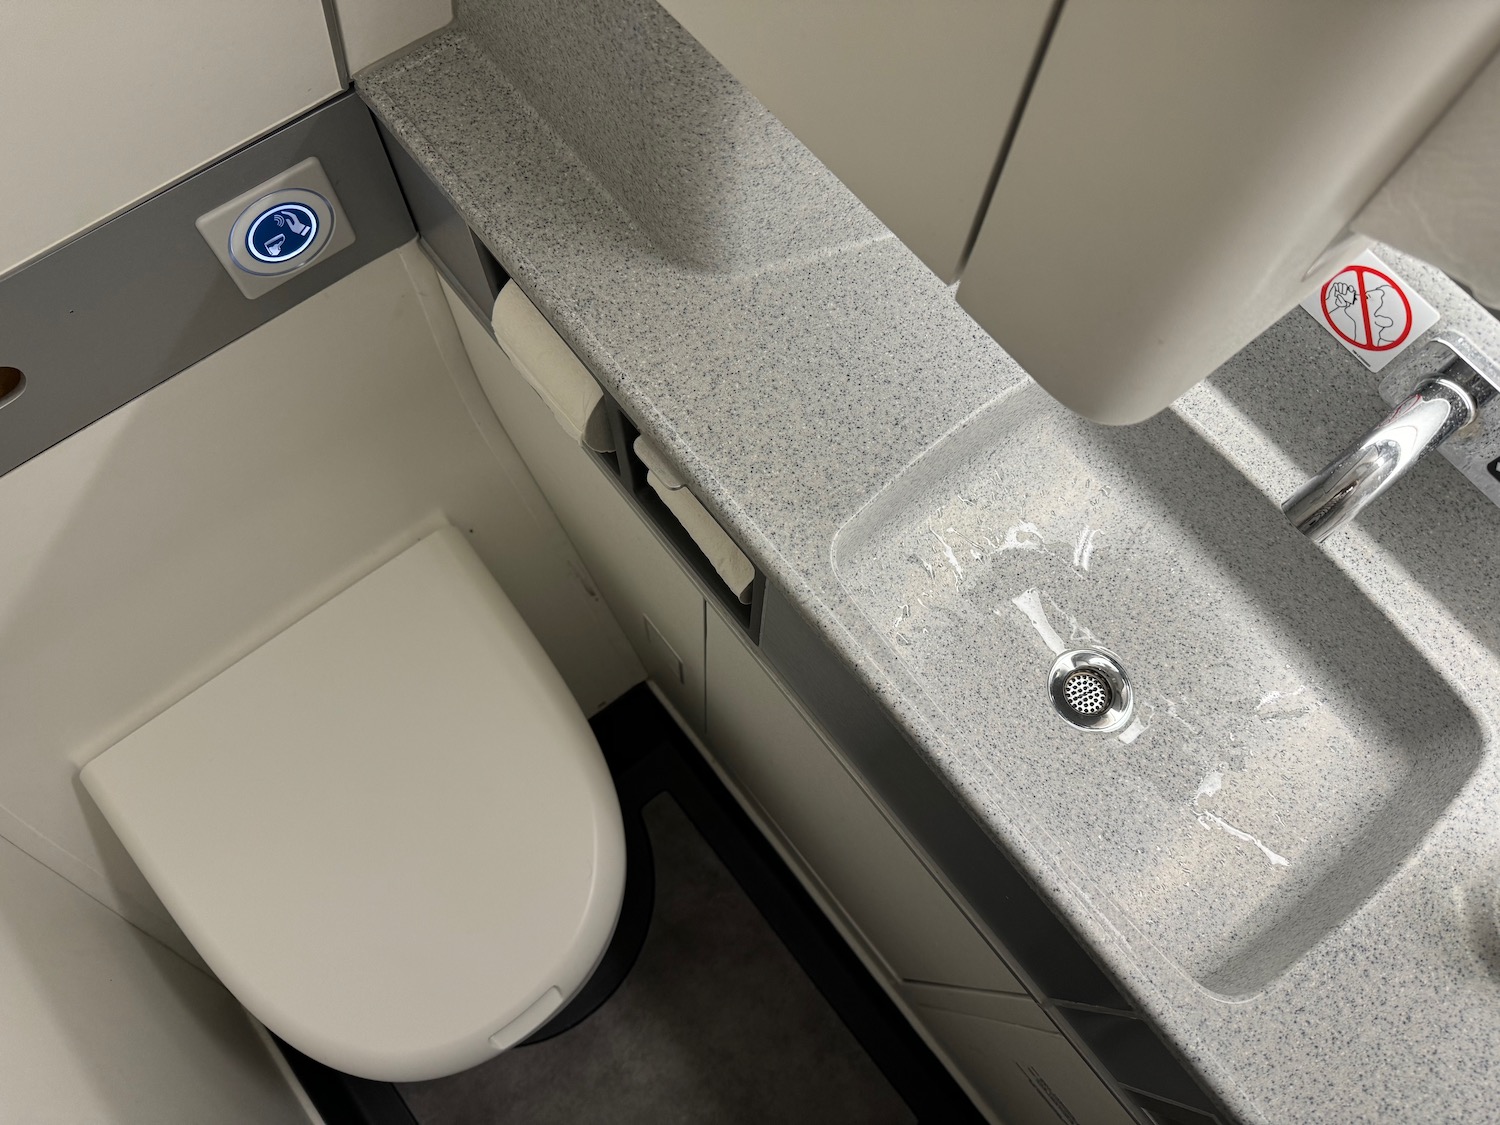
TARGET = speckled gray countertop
x,y
792,358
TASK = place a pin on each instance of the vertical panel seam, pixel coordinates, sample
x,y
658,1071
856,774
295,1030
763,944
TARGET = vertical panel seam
x,y
1032,73
336,42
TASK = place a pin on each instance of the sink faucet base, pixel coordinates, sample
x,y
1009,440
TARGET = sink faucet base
x,y
1437,408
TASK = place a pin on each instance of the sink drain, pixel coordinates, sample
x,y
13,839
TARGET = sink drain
x,y
1086,692
1090,691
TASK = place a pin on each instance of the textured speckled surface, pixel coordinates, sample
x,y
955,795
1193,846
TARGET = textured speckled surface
x,y
791,367
697,163
1280,717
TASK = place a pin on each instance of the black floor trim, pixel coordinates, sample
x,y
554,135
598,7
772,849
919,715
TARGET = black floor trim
x,y
649,755
630,929
343,1099
662,759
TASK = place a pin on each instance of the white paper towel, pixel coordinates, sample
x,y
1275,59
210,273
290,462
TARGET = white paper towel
x,y
728,561
549,365
651,457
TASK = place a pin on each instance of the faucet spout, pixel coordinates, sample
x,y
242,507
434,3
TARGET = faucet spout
x,y
1435,410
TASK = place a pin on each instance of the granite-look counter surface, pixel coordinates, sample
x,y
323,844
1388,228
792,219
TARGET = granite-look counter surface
x,y
791,357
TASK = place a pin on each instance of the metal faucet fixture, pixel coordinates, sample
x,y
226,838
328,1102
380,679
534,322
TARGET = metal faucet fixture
x,y
1441,404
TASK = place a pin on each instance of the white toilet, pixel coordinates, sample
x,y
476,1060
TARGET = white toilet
x,y
389,830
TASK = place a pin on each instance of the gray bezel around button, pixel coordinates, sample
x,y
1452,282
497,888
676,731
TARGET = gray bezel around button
x,y
239,234
227,226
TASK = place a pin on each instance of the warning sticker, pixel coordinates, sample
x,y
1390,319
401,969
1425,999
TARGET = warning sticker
x,y
1371,311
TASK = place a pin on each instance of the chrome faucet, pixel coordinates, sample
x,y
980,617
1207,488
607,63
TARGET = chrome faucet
x,y
1439,406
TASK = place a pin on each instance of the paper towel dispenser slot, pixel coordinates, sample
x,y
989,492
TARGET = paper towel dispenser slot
x,y
554,372
465,263
582,408
724,572
730,563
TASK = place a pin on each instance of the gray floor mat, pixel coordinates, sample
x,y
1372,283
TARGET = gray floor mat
x,y
716,1023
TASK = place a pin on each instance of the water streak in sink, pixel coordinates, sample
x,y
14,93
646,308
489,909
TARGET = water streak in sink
x,y
1292,749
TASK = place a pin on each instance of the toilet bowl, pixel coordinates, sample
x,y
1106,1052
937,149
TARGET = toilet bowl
x,y
389,830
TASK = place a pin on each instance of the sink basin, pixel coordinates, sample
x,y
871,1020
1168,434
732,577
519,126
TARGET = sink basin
x,y
1291,747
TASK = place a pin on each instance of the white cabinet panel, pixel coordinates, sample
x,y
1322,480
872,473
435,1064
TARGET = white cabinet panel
x,y
107,102
1026,1076
1181,169
657,605
907,103
766,744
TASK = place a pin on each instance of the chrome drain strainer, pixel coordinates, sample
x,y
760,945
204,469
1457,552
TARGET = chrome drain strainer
x,y
1086,692
1090,691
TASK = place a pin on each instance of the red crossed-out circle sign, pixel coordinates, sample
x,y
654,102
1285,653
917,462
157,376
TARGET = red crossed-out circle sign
x,y
1359,304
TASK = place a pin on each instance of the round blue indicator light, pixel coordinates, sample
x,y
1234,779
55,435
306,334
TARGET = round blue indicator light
x,y
282,232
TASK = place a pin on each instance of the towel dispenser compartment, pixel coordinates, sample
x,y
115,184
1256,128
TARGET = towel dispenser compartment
x,y
632,476
464,262
478,278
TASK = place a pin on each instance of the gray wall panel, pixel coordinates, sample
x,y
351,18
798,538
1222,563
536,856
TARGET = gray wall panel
x,y
136,300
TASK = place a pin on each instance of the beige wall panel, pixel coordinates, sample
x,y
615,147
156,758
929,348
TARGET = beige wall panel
x,y
104,1025
907,103
1442,204
372,29
105,102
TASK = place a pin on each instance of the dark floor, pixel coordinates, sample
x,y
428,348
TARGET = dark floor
x,y
716,1023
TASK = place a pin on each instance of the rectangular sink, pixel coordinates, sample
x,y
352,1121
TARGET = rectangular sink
x,y
1292,747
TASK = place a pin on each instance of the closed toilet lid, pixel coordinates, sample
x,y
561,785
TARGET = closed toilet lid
x,y
389,829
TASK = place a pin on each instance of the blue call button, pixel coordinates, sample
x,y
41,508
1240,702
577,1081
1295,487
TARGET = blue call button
x,y
281,232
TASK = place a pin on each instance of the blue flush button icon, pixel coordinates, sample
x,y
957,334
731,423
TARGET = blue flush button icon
x,y
277,229
282,232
